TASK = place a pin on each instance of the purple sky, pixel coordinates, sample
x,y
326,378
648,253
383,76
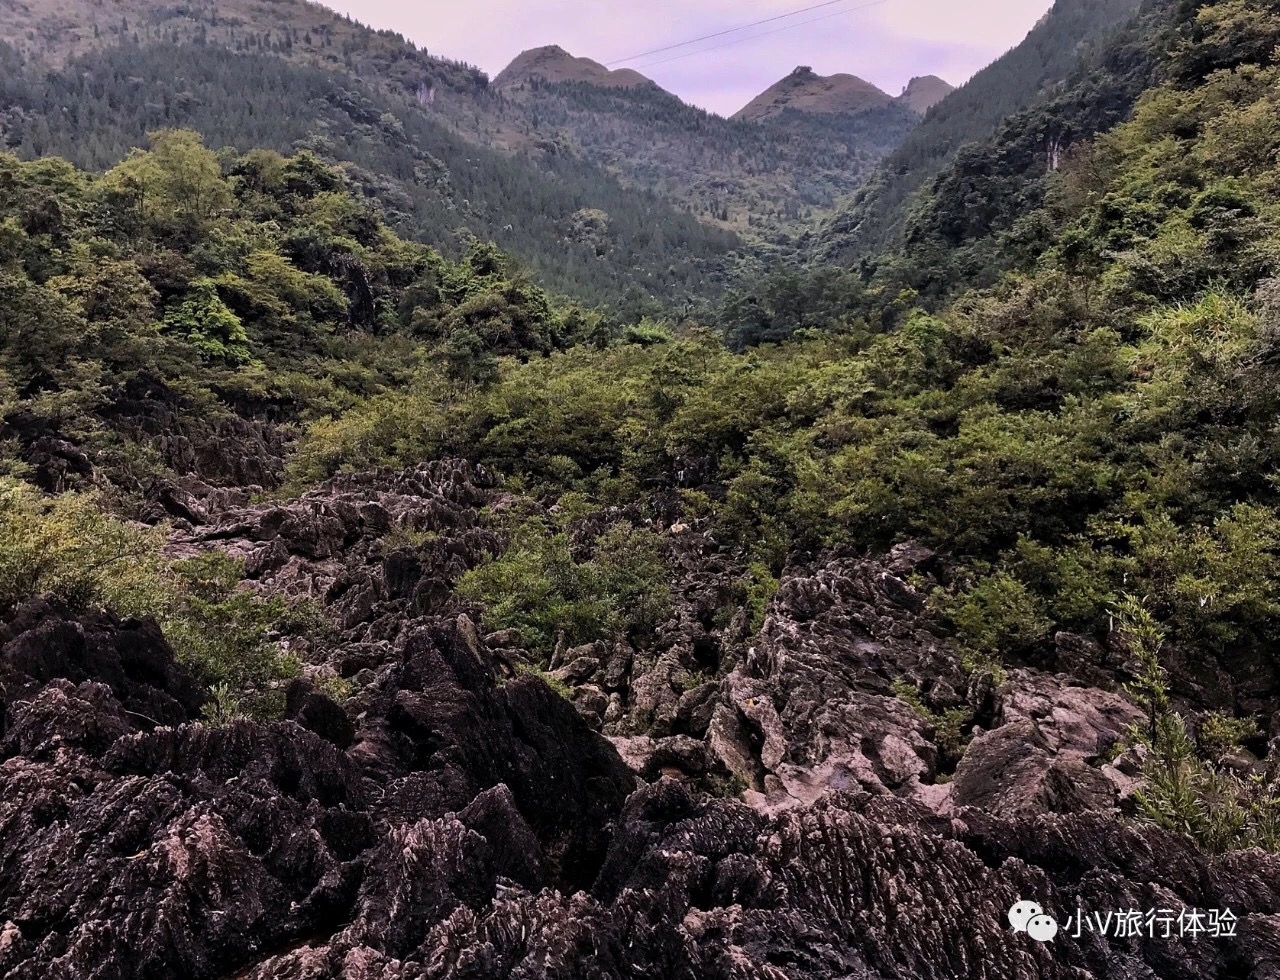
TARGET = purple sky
x,y
886,44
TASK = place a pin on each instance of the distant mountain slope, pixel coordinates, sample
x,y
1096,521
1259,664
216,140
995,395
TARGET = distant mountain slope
x,y
444,152
876,217
762,180
576,227
924,92
806,91
982,215
554,64
533,160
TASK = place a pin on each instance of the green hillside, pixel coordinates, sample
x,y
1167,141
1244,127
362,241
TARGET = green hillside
x,y
875,217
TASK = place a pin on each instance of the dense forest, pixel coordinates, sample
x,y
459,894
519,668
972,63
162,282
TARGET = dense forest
x,y
370,608
629,198
578,229
875,217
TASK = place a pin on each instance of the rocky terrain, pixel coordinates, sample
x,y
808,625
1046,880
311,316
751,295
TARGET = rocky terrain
x,y
789,803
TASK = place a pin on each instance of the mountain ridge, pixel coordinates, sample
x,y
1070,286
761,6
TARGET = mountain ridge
x,y
805,90
925,91
552,63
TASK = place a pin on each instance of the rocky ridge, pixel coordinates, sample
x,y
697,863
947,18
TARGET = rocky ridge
x,y
804,90
924,92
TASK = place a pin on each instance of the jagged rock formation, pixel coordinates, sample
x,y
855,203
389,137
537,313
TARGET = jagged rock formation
x,y
226,844
456,818
228,451
464,824
554,64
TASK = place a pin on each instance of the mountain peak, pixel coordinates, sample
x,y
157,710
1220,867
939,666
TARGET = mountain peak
x,y
924,92
806,91
553,63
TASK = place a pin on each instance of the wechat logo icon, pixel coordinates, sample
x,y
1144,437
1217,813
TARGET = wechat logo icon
x,y
1030,918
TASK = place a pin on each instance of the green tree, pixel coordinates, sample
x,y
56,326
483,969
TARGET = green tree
x,y
176,185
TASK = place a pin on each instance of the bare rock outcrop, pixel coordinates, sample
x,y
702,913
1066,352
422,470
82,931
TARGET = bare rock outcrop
x,y
457,820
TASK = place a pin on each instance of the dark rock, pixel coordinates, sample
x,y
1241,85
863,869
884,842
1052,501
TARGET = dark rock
x,y
577,671
57,464
42,641
696,708
318,713
911,557
401,570
1011,772
456,818
618,668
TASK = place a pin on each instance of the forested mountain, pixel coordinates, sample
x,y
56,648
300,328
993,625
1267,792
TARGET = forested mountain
x,y
554,64
804,90
982,216
759,180
875,218
610,190
448,157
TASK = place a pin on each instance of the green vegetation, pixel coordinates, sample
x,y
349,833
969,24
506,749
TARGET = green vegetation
x,y
443,173
761,587
1187,788
66,547
540,588
876,219
254,287
1103,417
950,728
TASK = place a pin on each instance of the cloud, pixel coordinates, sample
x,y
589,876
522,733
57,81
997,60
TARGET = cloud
x,y
887,44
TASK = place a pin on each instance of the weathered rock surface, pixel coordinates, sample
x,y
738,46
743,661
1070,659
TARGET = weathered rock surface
x,y
849,688
456,818
479,829
131,848
366,546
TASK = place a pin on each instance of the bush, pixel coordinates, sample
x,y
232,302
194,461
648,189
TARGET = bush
x,y
204,320
69,548
537,587
996,616
1184,789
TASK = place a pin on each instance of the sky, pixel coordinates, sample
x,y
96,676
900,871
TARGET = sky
x,y
886,43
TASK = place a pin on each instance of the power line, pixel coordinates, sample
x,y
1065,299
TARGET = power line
x,y
732,30
753,37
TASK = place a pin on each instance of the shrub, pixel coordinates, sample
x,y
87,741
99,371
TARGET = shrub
x,y
537,587
204,320
69,548
1184,791
997,615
